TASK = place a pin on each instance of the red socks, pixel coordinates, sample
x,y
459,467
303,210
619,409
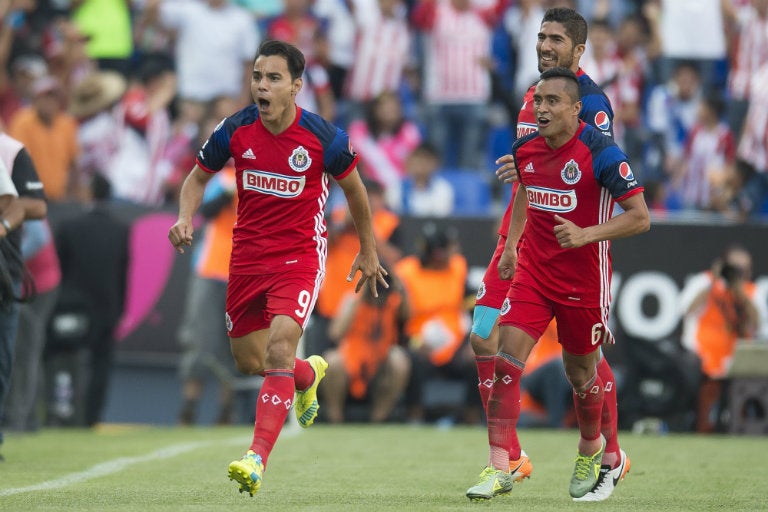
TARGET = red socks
x,y
485,376
588,403
303,374
272,407
610,415
504,411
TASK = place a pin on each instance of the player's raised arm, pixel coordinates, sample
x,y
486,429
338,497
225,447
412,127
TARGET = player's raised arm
x,y
190,198
367,260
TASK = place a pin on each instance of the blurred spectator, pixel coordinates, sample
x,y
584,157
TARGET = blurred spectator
x,y
384,139
457,82
703,178
49,133
692,31
16,83
719,310
108,27
620,78
24,183
93,251
93,104
215,46
369,362
747,28
383,51
298,25
138,172
522,21
340,53
425,193
435,283
39,252
204,343
753,148
671,112
66,55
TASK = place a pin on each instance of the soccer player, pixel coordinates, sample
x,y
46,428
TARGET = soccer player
x,y
561,42
557,254
283,156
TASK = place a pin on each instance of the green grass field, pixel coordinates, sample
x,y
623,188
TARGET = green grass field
x,y
361,468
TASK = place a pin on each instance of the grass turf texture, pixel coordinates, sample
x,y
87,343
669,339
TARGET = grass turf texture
x,y
361,468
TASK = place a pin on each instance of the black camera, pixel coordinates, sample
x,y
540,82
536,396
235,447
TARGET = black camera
x,y
731,273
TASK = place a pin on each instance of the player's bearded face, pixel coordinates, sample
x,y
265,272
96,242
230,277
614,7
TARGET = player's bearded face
x,y
272,88
554,48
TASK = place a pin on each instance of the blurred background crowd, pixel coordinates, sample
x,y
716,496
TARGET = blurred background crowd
x,y
113,98
428,90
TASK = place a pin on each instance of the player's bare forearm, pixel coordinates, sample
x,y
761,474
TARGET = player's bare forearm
x,y
190,198
635,219
367,260
518,216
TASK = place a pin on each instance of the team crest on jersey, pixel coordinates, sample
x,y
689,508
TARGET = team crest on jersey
x,y
299,159
505,306
626,171
481,291
602,121
571,173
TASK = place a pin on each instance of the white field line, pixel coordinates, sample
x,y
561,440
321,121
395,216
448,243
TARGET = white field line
x,y
116,465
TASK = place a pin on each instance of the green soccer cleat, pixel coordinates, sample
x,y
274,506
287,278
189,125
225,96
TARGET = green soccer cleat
x,y
306,401
492,482
586,472
248,472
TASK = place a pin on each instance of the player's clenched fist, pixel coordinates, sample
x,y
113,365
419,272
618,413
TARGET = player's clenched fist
x,y
181,235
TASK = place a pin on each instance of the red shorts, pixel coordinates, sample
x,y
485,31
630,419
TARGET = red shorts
x,y
253,301
580,331
493,289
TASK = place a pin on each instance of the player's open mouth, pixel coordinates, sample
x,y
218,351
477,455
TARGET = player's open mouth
x,y
263,103
549,60
542,121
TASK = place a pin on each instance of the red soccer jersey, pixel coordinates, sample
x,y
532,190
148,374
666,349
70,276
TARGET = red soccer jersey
x,y
282,187
595,110
578,181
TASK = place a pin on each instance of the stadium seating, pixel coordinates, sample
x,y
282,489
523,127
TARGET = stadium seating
x,y
472,192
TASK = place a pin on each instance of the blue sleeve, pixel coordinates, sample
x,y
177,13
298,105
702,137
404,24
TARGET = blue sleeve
x,y
596,109
610,164
215,151
337,152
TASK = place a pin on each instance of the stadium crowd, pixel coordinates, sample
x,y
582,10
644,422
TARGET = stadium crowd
x,y
428,90
685,78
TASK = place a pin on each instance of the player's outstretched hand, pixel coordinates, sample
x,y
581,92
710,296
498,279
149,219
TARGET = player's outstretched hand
x,y
507,172
568,234
372,273
181,235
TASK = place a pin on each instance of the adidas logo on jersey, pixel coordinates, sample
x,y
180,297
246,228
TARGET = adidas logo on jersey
x,y
249,154
529,167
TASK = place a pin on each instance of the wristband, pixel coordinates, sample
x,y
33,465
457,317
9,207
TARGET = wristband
x,y
6,225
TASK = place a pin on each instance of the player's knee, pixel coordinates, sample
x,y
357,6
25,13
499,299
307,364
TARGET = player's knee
x,y
482,337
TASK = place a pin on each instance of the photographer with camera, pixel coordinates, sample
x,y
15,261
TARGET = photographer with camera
x,y
715,320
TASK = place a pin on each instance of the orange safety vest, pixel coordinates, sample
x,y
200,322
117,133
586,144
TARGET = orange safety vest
x,y
715,338
216,246
365,346
437,300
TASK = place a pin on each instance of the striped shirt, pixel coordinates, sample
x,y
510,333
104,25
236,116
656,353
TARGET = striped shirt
x,y
753,146
750,53
706,154
457,52
382,50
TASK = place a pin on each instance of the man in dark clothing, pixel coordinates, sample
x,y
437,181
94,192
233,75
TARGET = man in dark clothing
x,y
93,250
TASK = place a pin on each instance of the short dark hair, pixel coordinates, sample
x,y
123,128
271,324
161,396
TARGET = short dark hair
x,y
572,83
292,55
574,23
